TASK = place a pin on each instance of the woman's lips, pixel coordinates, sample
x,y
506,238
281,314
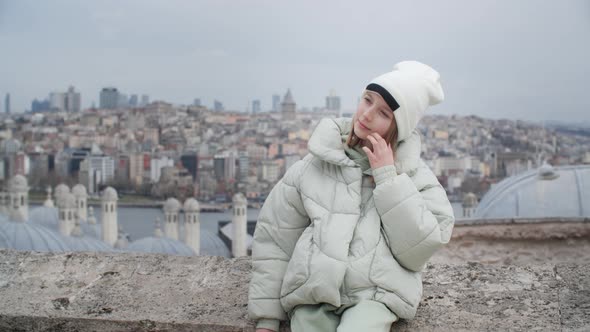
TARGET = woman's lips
x,y
362,125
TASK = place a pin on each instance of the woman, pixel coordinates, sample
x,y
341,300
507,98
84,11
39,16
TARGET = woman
x,y
342,238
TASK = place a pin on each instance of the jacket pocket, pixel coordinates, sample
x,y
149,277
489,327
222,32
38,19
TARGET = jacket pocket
x,y
386,273
297,271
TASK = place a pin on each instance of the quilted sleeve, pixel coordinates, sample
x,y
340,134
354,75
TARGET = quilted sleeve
x,y
416,215
281,221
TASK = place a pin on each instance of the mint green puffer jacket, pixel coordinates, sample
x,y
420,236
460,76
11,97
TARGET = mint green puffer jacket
x,y
317,241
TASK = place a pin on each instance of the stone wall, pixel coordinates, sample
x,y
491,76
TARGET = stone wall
x,y
142,292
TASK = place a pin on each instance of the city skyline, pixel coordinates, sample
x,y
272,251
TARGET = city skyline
x,y
493,63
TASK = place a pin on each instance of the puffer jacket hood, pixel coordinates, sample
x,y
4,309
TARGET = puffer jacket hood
x,y
324,236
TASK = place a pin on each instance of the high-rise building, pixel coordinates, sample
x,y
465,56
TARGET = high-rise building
x,y
69,101
255,106
40,105
145,99
72,100
133,101
276,100
122,101
333,101
7,104
190,161
288,106
217,106
197,102
109,98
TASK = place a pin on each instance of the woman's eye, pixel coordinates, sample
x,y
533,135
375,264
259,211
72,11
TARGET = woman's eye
x,y
384,113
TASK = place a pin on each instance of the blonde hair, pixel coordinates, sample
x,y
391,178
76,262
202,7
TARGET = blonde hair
x,y
390,135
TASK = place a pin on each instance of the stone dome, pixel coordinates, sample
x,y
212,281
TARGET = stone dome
x,y
18,184
109,194
29,237
212,245
239,198
80,242
191,205
562,191
4,242
172,205
160,245
45,216
61,189
79,191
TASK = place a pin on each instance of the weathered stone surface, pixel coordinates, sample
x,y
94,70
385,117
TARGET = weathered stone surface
x,y
141,292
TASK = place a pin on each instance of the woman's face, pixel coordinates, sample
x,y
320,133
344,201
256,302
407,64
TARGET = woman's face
x,y
373,115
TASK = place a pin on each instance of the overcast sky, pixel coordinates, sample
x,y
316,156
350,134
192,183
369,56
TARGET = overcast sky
x,y
525,60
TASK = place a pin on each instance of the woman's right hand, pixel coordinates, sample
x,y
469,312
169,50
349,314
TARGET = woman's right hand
x,y
264,330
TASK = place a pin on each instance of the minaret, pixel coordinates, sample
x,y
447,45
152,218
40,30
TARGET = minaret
x,y
48,202
4,202
109,216
239,224
192,225
66,204
81,196
171,209
18,193
61,189
469,204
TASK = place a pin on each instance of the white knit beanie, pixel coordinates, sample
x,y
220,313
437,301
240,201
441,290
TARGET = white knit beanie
x,y
408,89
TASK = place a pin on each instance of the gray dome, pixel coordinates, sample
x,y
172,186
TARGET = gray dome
x,y
86,243
191,205
25,236
109,194
18,184
239,198
79,191
66,201
172,205
45,216
92,230
161,245
212,245
61,189
562,191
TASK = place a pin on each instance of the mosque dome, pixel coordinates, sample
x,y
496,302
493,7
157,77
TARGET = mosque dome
x,y
212,245
4,242
61,189
80,242
161,245
171,205
79,191
191,205
109,194
562,191
45,216
18,184
239,198
26,236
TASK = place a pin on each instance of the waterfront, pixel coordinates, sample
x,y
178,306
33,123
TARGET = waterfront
x,y
140,222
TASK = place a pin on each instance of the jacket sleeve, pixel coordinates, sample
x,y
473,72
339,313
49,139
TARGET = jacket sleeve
x,y
280,223
416,215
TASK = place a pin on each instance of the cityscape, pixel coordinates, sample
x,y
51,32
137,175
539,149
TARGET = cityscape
x,y
152,150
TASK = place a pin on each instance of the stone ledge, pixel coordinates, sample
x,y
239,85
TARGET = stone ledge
x,y
141,292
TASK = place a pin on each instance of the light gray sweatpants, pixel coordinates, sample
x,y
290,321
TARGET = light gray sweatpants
x,y
366,316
